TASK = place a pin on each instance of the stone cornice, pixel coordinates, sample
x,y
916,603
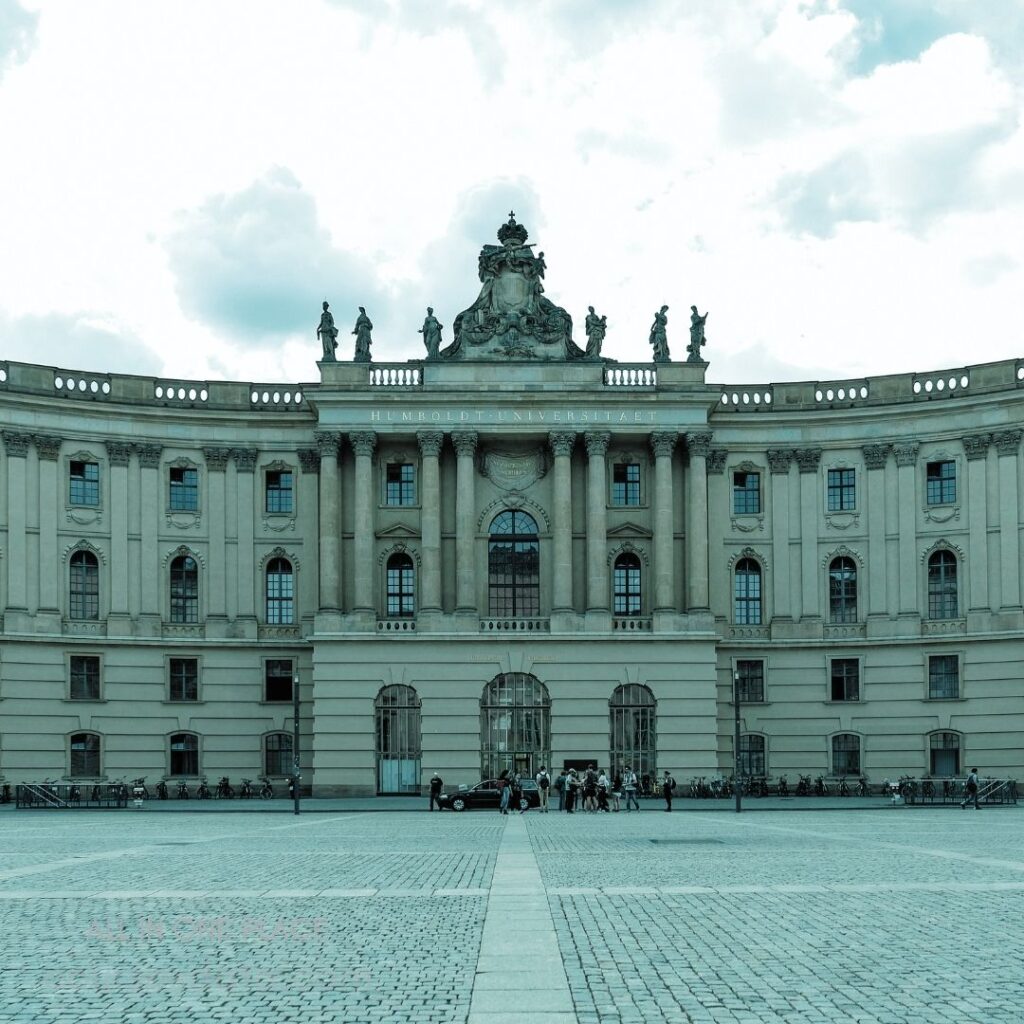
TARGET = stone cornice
x,y
430,442
905,453
562,442
663,443
779,460
597,442
976,446
465,442
363,442
698,444
876,455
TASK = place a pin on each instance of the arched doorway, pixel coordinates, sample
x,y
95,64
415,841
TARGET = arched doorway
x,y
515,725
632,722
398,740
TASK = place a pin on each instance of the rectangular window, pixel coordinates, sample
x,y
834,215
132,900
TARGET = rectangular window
x,y
943,676
941,483
85,677
846,755
746,494
279,491
626,483
400,488
85,483
184,681
842,491
751,681
184,489
277,679
845,679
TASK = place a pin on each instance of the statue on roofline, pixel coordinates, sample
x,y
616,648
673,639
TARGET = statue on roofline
x,y
697,338
328,335
362,331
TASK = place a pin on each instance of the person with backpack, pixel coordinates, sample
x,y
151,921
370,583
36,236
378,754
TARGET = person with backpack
x,y
629,785
971,791
667,785
543,785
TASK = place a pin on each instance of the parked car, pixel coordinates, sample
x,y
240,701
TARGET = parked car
x,y
486,795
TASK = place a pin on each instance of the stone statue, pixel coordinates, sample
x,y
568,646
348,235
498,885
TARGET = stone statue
x,y
363,339
431,331
659,338
696,336
328,335
595,327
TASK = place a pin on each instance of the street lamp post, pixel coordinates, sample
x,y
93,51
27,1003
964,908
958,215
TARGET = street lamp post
x,y
295,739
737,784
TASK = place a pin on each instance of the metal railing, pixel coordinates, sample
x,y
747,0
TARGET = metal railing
x,y
70,795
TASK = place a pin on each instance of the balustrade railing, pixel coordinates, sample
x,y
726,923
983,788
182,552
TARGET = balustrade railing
x,y
634,375
398,375
514,625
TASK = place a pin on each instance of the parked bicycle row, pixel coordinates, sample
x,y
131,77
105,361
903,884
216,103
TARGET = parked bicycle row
x,y
119,791
906,787
223,790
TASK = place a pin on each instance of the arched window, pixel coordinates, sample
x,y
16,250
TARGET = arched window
x,y
632,727
84,590
842,590
398,740
513,566
846,754
515,725
942,600
184,589
401,581
747,593
626,585
752,755
184,754
280,593
85,755
944,753
277,754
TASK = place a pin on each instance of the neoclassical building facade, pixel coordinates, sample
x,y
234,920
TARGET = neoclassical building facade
x,y
509,554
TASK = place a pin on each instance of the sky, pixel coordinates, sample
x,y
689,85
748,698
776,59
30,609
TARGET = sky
x,y
838,183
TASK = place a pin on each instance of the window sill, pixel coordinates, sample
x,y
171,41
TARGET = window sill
x,y
934,700
284,701
84,700
190,703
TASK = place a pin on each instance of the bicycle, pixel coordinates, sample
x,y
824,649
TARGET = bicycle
x,y
203,792
139,790
844,789
245,791
266,789
183,793
820,786
863,787
783,787
225,790
161,789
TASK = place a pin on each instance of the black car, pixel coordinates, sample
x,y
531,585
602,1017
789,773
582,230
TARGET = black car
x,y
486,795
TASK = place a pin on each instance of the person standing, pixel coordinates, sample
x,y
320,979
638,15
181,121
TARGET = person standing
x,y
667,785
436,785
602,791
629,788
616,791
971,791
572,786
504,792
543,785
560,789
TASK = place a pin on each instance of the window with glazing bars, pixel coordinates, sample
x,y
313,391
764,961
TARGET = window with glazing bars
x,y
940,483
85,483
184,754
752,755
278,746
85,677
846,754
400,484
280,593
401,581
184,590
184,678
513,566
943,676
942,590
845,674
626,585
279,491
84,591
85,755
184,496
842,492
277,679
747,593
751,681
842,590
746,493
626,483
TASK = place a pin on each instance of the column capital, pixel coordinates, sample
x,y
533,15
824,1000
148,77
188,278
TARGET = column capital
x,y
309,460
905,453
597,442
217,458
876,455
327,443
149,455
47,446
663,443
16,443
976,446
245,459
562,442
363,442
698,443
1007,442
779,461
716,459
119,452
465,442
430,442
807,459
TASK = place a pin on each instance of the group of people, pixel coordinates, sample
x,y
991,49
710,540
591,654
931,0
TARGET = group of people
x,y
593,790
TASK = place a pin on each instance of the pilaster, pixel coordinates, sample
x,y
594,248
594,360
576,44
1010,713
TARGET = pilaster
x,y
248,581
430,442
151,583
905,454
876,457
1007,444
465,442
976,449
663,444
808,460
363,444
779,461
330,527
216,469
698,446
562,443
118,457
598,598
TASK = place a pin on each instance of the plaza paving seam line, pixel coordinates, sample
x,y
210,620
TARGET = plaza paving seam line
x,y
519,919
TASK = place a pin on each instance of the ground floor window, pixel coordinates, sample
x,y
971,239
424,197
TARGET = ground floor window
x,y
398,740
515,725
752,759
944,751
632,715
277,748
184,754
85,755
846,754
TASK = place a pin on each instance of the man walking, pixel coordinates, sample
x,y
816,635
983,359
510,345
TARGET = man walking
x,y
667,785
436,785
629,788
543,785
971,791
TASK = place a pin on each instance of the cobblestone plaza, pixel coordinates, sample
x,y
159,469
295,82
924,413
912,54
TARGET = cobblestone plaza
x,y
880,916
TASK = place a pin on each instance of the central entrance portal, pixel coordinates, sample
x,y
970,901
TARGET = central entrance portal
x,y
515,725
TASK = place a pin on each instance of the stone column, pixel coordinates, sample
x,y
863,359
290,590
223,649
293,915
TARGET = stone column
x,y
306,496
779,461
906,465
363,444
719,493
248,581
465,442
562,443
16,447
216,468
807,460
876,456
430,442
48,450
151,582
118,456
330,522
976,450
697,445
663,443
597,521
1007,444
